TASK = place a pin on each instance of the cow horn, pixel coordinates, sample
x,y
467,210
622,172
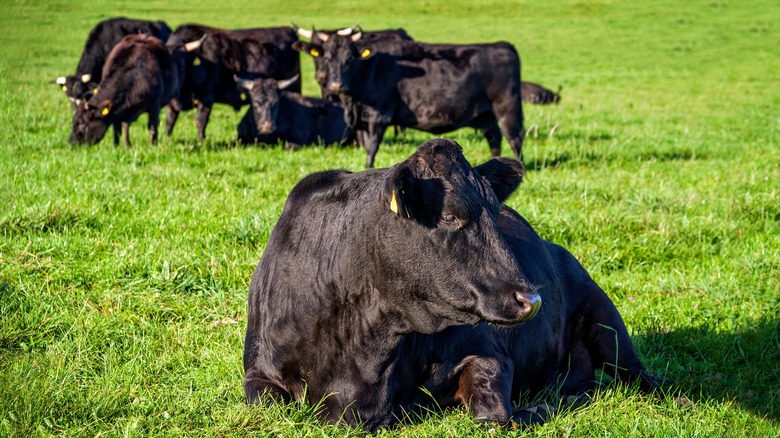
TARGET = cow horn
x,y
60,80
194,45
348,30
284,83
243,83
357,35
321,35
302,32
86,78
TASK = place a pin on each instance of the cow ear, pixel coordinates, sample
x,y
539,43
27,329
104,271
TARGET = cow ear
x,y
367,52
503,174
312,49
395,196
105,108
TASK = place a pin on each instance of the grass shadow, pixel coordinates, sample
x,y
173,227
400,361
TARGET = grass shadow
x,y
742,367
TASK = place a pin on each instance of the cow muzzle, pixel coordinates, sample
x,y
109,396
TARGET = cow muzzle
x,y
266,127
335,87
530,303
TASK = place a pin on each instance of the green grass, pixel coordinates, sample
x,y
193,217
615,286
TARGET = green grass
x,y
124,272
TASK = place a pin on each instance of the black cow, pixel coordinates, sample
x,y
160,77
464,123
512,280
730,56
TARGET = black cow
x,y
354,111
432,87
103,37
250,53
372,295
141,75
277,114
535,93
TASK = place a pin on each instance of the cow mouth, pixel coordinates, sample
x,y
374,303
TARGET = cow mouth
x,y
526,306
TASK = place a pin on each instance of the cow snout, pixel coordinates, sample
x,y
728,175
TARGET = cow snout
x,y
530,304
266,127
335,87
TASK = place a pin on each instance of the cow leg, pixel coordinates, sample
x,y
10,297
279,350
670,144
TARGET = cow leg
x,y
202,119
493,135
371,141
259,389
117,131
511,121
153,124
608,343
171,115
485,386
126,133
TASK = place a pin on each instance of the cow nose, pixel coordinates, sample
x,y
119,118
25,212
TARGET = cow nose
x,y
530,304
266,127
335,87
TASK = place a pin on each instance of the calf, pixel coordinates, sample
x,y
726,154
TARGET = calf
x,y
392,290
290,117
140,76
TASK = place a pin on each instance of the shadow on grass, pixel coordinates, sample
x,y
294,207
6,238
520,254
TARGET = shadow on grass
x,y
742,367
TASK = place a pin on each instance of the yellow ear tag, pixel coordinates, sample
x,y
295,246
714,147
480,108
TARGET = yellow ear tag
x,y
393,204
95,90
104,111
365,53
196,61
314,52
65,88
243,96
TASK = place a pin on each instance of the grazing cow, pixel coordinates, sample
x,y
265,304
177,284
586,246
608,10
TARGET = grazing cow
x,y
432,87
141,75
249,53
535,93
291,117
374,291
103,37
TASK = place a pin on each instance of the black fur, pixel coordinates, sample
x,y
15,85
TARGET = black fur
x,y
432,87
378,312
249,53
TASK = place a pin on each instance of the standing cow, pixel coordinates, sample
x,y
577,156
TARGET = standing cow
x,y
103,37
277,114
141,75
374,290
432,87
249,53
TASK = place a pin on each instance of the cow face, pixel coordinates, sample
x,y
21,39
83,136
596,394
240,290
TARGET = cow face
x,y
90,122
78,89
454,259
265,95
335,56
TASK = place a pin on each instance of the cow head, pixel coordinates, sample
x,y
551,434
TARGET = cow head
x,y
90,122
449,253
78,88
334,54
265,95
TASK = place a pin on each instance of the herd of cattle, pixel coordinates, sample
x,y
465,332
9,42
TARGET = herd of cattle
x,y
385,292
369,81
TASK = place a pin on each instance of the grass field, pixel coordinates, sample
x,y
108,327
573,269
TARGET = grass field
x,y
124,272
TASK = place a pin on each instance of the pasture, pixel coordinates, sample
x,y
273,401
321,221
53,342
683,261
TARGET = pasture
x,y
124,272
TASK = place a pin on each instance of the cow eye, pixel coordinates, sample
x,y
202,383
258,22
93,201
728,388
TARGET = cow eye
x,y
449,220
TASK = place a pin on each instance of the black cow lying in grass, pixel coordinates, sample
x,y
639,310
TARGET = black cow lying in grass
x,y
277,114
374,289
